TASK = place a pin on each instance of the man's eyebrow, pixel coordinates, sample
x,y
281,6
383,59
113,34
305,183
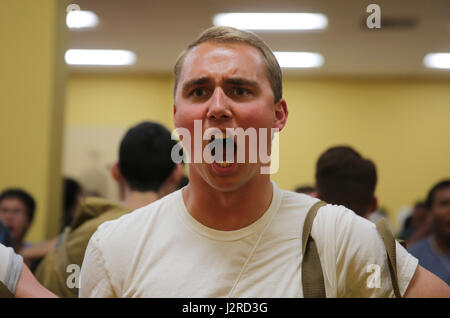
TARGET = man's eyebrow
x,y
229,81
241,81
196,81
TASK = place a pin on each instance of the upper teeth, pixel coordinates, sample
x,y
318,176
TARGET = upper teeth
x,y
223,136
224,164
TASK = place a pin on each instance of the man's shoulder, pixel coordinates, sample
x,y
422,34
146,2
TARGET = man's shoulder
x,y
297,199
304,202
329,218
135,222
119,241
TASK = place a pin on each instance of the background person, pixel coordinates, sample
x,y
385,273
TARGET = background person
x,y
73,194
5,236
145,172
417,225
17,209
344,177
433,251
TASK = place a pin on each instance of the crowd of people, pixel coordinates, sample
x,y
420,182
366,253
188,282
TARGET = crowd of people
x,y
228,230
345,178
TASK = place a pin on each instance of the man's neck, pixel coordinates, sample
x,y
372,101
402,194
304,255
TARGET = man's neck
x,y
441,245
228,211
135,199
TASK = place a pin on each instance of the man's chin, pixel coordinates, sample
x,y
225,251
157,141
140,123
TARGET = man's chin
x,y
226,188
223,184
231,183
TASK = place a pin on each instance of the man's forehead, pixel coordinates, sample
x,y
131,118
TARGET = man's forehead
x,y
241,47
12,201
443,193
234,59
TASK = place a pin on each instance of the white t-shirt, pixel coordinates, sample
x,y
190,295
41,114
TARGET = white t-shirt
x,y
160,250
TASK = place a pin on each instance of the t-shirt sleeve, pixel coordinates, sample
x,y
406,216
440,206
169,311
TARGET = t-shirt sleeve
x,y
360,267
95,280
10,267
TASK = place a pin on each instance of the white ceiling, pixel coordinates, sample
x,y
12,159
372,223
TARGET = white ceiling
x,y
158,30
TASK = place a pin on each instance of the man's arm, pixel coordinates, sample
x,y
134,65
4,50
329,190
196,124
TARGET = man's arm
x,y
426,284
38,251
29,287
17,277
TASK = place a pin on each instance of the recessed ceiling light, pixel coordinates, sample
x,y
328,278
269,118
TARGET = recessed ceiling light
x,y
272,21
299,59
100,57
78,19
437,60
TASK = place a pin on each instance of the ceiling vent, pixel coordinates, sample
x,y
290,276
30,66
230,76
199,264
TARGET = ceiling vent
x,y
393,23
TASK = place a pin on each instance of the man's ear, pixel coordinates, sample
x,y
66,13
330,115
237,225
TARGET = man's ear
x,y
281,114
314,194
317,194
116,174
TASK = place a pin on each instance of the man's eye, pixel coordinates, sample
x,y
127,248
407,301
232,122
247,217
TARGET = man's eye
x,y
239,91
198,92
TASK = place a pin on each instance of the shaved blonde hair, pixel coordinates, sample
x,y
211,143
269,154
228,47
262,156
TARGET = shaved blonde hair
x,y
222,34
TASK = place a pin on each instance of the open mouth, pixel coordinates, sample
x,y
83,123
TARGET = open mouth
x,y
223,150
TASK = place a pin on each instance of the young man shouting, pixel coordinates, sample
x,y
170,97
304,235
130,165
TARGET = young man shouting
x,y
231,232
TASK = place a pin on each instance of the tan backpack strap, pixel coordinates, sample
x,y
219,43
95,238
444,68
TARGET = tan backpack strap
x,y
312,275
389,243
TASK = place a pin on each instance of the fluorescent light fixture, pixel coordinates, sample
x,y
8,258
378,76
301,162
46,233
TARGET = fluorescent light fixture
x,y
272,21
299,59
100,57
78,19
437,60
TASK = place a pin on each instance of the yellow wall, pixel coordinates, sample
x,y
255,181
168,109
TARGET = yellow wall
x,y
401,124
32,85
118,100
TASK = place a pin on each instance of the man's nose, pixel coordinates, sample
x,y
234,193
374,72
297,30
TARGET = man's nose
x,y
219,105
